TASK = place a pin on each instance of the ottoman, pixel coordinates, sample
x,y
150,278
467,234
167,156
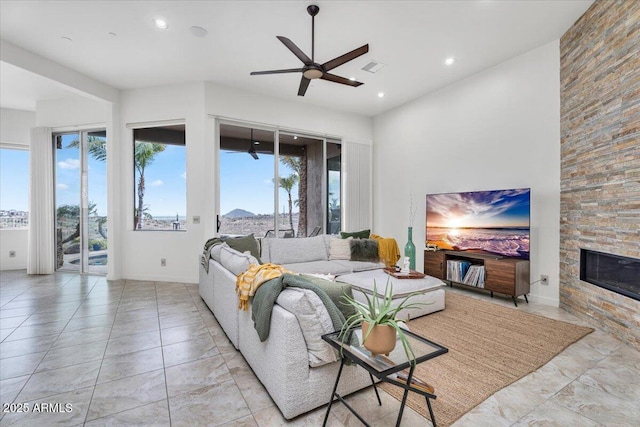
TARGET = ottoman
x,y
430,290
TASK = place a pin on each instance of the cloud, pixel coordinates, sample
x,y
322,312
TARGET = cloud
x,y
156,183
62,186
69,164
184,175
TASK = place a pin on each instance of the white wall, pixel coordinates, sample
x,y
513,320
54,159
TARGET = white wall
x,y
497,129
15,126
197,104
13,240
14,131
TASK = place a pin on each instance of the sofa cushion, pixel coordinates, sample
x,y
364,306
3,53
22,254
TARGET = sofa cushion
x,y
245,243
314,322
355,266
306,249
320,267
362,234
339,249
235,261
363,281
216,250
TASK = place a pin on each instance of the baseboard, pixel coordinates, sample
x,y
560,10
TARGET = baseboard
x,y
163,278
544,300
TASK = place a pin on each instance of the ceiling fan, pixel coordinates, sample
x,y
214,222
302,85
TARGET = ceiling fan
x,y
252,148
312,69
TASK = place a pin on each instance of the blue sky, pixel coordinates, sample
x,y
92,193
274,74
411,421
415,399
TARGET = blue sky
x,y
246,183
14,179
68,177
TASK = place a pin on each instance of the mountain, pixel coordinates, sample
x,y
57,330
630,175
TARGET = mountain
x,y
239,213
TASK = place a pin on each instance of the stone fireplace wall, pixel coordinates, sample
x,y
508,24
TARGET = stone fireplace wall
x,y
600,158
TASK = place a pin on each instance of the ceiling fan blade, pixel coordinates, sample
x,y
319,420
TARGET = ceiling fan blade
x,y
288,70
336,62
337,79
295,49
304,84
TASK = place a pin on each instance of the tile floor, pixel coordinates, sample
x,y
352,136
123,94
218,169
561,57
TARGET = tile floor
x,y
151,353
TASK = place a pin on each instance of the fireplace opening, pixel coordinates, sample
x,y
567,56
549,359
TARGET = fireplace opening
x,y
616,273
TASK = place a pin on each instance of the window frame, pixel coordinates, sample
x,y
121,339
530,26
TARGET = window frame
x,y
133,184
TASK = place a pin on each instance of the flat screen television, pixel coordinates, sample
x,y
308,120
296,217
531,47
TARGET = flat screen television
x,y
495,222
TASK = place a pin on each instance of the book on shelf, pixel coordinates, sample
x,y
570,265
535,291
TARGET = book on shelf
x,y
457,270
474,276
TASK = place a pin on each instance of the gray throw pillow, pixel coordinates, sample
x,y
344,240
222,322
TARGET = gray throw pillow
x,y
364,250
245,243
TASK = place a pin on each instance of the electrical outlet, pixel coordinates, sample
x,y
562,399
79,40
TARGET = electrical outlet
x,y
544,280
12,254
196,219
163,262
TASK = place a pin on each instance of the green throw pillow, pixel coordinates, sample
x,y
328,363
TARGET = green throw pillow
x,y
335,291
245,243
363,234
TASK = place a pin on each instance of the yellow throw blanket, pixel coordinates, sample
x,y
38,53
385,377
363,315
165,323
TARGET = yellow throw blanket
x,y
248,282
388,250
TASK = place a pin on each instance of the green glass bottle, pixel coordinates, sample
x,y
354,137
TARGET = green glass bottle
x,y
410,250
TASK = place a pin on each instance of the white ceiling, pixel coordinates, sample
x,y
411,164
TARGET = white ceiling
x,y
412,38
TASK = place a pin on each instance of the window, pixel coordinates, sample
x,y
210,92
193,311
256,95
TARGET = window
x,y
14,188
160,176
259,166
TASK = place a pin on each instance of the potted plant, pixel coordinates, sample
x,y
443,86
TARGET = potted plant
x,y
379,324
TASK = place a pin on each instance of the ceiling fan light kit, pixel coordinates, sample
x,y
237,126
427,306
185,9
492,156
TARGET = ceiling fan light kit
x,y
311,69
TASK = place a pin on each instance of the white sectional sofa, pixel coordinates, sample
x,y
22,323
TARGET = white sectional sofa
x,y
294,377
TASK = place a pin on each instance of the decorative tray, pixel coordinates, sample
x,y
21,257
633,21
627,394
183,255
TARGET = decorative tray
x,y
411,275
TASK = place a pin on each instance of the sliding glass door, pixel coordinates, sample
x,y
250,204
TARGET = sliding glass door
x,y
286,189
81,201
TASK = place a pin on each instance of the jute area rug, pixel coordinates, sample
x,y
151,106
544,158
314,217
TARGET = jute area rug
x,y
490,347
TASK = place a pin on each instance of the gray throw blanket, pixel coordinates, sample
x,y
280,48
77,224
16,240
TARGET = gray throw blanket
x,y
266,295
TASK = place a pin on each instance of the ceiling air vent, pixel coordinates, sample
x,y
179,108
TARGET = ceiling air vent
x,y
373,67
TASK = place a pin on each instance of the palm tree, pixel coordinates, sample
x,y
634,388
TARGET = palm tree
x,y
299,166
145,153
287,184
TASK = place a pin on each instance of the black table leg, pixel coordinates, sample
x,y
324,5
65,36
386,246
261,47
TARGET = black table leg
x,y
526,299
376,389
433,419
333,393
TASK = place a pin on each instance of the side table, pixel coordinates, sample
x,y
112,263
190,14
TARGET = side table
x,y
385,368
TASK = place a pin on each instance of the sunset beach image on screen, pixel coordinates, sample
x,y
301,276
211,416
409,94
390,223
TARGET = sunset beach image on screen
x,y
496,221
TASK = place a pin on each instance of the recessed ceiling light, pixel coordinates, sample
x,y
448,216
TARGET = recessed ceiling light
x,y
450,60
69,39
112,34
380,94
295,136
198,31
256,142
160,23
353,79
